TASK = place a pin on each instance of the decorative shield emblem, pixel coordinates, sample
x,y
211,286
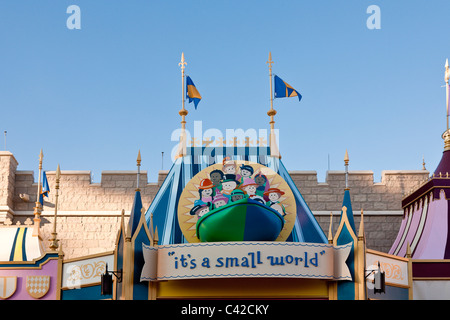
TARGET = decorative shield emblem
x,y
7,287
37,286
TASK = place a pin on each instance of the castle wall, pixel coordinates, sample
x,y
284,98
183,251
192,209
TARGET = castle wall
x,y
8,166
89,213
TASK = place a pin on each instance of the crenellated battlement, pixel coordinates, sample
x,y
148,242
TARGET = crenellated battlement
x,y
115,190
366,194
89,212
78,193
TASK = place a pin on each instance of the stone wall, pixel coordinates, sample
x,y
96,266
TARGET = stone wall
x,y
365,194
77,193
8,166
89,213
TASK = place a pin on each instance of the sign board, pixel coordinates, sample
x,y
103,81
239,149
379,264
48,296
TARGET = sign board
x,y
85,271
245,259
395,268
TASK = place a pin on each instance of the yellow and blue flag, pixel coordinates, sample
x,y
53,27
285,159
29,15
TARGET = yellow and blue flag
x,y
191,92
284,90
45,189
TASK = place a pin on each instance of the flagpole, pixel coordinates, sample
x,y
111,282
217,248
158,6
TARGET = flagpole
x,y
272,112
37,209
447,76
54,240
274,151
183,112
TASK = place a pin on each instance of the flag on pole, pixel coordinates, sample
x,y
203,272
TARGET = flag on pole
x,y
284,90
191,92
45,189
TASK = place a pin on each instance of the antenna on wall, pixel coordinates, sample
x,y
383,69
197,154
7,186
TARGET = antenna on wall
x,y
162,160
328,162
5,140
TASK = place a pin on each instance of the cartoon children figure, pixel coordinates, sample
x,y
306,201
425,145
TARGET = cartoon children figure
x,y
199,210
216,178
229,183
229,166
274,195
246,172
237,194
219,201
263,185
206,192
249,187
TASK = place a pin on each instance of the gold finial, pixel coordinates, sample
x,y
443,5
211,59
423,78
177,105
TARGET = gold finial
x,y
346,160
361,226
446,137
155,237
138,160
54,240
58,175
330,229
152,231
183,62
446,77
270,62
408,250
38,207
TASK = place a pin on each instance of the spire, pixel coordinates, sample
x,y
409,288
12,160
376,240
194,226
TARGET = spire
x,y
347,200
135,213
444,165
346,159
138,163
361,227
156,237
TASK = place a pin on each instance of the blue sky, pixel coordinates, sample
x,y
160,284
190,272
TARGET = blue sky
x,y
91,98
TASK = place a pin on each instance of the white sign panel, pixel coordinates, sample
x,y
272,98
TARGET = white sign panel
x,y
246,259
85,271
396,269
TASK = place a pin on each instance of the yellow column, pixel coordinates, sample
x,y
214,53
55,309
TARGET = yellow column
x,y
38,209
